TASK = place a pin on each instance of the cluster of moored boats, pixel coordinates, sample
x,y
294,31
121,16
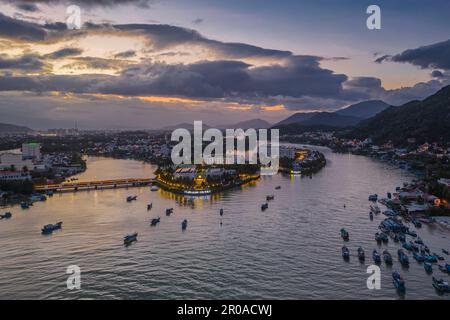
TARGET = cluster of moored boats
x,y
269,197
130,238
393,228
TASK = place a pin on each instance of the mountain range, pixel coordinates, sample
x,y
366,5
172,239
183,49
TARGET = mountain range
x,y
247,124
11,128
425,121
349,116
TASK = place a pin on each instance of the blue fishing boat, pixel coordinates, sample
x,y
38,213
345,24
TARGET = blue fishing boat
x,y
418,257
376,257
264,206
361,254
373,197
441,258
402,238
345,253
371,216
155,221
49,228
445,251
184,224
407,246
24,205
431,258
416,223
344,234
221,212
403,258
441,285
6,215
418,240
387,257
398,281
128,239
411,233
428,267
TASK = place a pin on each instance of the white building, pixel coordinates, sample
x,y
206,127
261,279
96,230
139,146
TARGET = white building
x,y
31,151
14,159
14,176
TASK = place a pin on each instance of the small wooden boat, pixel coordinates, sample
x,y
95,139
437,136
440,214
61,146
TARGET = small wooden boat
x,y
361,255
184,224
270,197
128,239
49,228
155,221
169,211
264,206
344,234
131,198
398,281
221,212
6,215
345,253
441,285
149,206
387,257
403,258
428,267
376,257
277,187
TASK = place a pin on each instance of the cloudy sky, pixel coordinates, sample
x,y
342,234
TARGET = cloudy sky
x,y
153,63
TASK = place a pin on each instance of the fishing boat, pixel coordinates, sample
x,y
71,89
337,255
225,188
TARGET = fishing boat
x,y
344,234
149,206
390,213
375,209
270,197
441,258
361,255
411,233
428,267
418,240
221,212
401,238
398,281
431,258
445,251
155,221
403,258
441,285
387,257
381,237
131,198
154,188
6,215
129,238
24,205
184,224
49,228
418,257
345,253
416,223
169,211
264,206
376,256
277,187
371,215
373,197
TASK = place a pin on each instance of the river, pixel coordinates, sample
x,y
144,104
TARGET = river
x,y
290,251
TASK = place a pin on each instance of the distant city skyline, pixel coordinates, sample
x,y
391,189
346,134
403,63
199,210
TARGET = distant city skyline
x,y
148,64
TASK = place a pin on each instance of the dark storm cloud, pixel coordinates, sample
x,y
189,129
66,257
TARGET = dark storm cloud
x,y
28,7
22,30
432,56
125,54
27,62
63,53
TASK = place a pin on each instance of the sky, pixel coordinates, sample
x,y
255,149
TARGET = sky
x,y
147,64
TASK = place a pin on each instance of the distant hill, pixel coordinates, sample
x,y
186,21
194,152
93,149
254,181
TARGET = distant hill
x,y
331,119
349,116
299,128
253,123
364,110
11,128
426,121
297,117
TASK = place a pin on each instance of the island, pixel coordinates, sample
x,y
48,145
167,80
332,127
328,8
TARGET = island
x,y
301,161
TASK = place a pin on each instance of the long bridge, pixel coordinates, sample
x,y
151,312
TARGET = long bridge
x,y
95,185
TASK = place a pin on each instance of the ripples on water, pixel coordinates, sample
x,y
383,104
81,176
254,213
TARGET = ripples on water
x,y
290,251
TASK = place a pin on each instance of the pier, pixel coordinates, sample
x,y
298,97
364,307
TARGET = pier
x,y
95,185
